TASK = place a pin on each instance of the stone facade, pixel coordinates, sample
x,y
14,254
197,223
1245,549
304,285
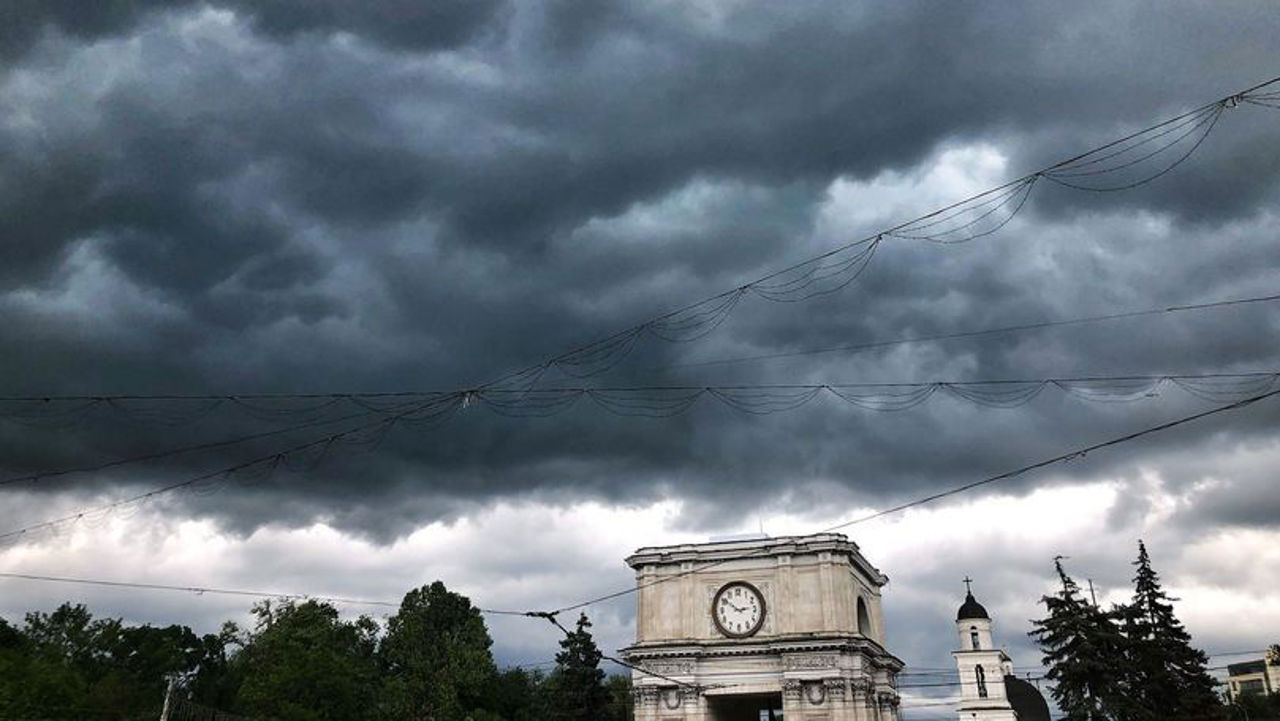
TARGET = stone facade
x,y
819,654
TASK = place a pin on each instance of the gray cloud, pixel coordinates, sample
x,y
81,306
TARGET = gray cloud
x,y
258,202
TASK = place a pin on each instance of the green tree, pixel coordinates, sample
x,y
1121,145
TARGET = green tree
x,y
1083,649
516,695
64,663
1165,677
304,663
621,704
576,688
436,658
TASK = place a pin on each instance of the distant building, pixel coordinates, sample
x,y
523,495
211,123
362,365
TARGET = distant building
x,y
1254,678
761,629
988,689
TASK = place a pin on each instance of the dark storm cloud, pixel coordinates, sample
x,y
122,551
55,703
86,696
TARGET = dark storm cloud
x,y
412,25
202,203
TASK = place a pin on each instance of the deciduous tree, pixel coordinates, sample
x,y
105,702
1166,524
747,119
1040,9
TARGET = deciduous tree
x,y
436,658
304,663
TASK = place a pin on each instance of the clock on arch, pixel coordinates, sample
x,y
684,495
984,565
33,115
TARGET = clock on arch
x,y
738,609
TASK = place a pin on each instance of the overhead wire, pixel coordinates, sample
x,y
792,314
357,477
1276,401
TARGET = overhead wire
x,y
180,450
840,265
794,282
1000,330
695,320
766,399
213,591
373,433
1007,475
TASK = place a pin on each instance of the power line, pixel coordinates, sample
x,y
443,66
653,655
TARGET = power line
x,y
182,450
197,590
858,347
1077,453
827,272
760,399
116,401
695,320
895,509
1070,455
375,431
203,590
836,268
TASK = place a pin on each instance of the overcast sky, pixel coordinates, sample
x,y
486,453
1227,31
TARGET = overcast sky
x,y
387,196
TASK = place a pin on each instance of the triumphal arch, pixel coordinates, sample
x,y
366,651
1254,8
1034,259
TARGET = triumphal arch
x,y
761,629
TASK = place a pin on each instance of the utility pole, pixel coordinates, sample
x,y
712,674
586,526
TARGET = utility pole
x,y
168,698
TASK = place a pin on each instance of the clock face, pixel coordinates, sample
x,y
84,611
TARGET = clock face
x,y
738,609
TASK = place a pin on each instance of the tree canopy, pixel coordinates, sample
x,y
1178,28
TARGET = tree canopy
x,y
1134,662
300,661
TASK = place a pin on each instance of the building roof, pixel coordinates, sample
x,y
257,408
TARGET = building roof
x,y
1246,668
836,544
1026,700
971,609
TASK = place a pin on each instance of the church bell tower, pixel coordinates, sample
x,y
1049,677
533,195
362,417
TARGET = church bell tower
x,y
982,666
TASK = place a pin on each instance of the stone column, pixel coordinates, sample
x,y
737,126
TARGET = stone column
x,y
888,705
792,698
862,700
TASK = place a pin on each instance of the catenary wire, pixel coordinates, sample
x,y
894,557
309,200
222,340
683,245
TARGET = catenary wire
x,y
182,450
763,399
705,315
202,590
598,356
858,347
1070,455
271,461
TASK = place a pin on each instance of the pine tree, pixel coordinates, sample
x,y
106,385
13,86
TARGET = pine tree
x,y
577,690
1082,648
1165,676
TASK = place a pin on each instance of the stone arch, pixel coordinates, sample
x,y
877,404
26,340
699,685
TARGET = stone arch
x,y
864,618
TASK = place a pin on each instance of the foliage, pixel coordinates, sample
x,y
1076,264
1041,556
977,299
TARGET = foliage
x,y
1132,663
66,664
1255,707
517,695
621,704
1165,677
577,686
436,657
304,663
1082,647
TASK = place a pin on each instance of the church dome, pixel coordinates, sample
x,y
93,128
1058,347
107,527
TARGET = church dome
x,y
1026,700
971,609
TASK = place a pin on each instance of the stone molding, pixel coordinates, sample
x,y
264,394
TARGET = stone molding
x,y
668,668
800,663
837,645
644,695
832,543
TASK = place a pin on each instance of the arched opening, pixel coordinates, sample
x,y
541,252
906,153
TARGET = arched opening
x,y
864,618
973,638
982,681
